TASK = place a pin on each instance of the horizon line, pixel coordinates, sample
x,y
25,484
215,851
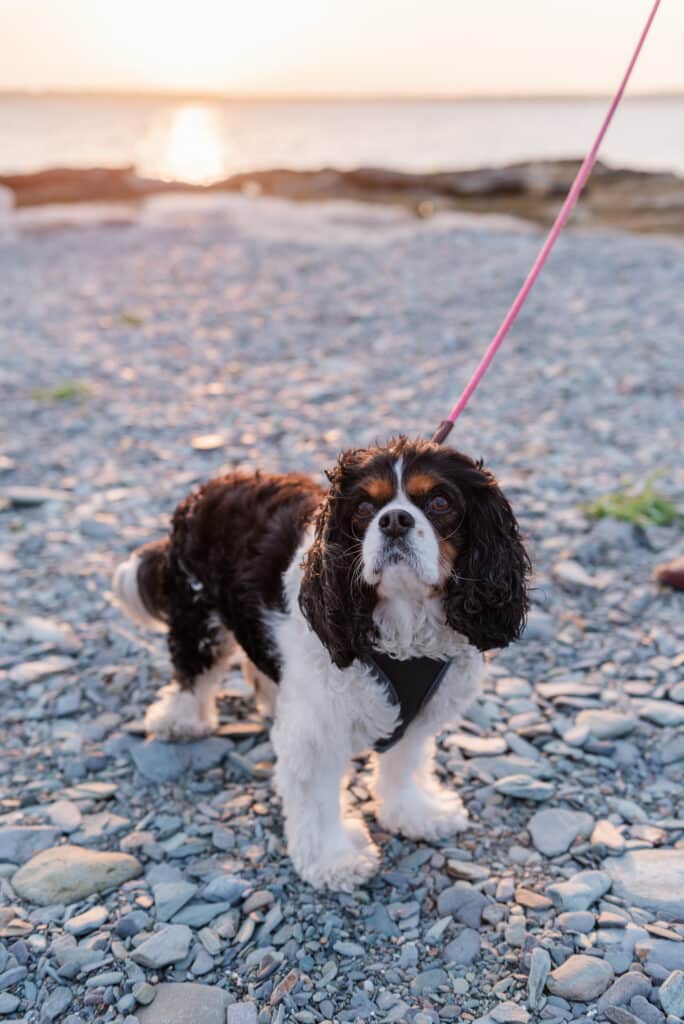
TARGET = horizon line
x,y
320,97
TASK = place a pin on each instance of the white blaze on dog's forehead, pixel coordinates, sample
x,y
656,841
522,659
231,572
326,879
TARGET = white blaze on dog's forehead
x,y
401,499
398,471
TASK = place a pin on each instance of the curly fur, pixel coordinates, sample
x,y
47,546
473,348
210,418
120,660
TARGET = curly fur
x,y
335,600
486,594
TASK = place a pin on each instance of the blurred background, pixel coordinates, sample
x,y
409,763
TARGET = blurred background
x,y
198,92
192,318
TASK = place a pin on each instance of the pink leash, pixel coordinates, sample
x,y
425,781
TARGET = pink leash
x,y
578,184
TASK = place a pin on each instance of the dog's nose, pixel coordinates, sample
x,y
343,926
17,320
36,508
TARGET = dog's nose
x,y
396,522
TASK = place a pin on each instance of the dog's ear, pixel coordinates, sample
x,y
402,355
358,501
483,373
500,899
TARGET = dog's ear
x,y
486,594
334,599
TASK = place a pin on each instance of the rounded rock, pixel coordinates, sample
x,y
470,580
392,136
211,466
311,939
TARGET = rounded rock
x,y
623,990
554,829
580,979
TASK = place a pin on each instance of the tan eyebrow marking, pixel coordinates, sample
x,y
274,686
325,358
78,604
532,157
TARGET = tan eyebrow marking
x,y
379,488
421,483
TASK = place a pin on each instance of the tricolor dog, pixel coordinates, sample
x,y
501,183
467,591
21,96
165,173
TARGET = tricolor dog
x,y
363,611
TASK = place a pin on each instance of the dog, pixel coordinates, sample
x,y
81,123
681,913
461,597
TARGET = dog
x,y
363,612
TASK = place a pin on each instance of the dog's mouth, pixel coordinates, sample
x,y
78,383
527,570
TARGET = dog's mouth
x,y
396,552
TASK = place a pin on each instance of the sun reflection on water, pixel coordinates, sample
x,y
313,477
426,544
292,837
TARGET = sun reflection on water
x,y
189,145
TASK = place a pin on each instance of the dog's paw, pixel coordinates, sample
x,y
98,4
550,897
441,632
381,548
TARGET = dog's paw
x,y
177,717
434,813
343,863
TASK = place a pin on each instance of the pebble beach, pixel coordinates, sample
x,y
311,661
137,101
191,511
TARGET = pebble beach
x,y
148,883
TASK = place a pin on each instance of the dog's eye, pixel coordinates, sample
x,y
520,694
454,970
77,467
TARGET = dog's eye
x,y
364,510
438,504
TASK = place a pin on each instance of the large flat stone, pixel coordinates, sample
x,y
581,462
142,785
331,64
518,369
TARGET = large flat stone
x,y
185,1003
652,879
67,874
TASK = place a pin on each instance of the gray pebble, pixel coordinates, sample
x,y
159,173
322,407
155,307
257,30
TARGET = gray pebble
x,y
350,949
144,993
580,921
672,994
464,948
524,787
428,981
181,1002
580,891
89,921
132,923
169,897
18,845
540,965
463,902
225,888
8,1003
623,990
56,1003
241,1013
607,725
618,1015
166,946
606,840
554,829
581,978
645,1011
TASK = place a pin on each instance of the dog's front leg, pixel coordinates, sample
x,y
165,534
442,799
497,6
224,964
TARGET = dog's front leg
x,y
409,797
313,753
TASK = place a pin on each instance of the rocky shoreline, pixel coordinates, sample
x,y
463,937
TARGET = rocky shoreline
x,y
638,201
143,882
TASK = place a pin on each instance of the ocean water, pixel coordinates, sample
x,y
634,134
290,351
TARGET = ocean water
x,y
206,140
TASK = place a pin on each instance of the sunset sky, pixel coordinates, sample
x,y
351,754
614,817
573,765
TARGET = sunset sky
x,y
341,47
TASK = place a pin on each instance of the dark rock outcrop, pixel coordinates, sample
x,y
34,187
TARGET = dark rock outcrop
x,y
613,197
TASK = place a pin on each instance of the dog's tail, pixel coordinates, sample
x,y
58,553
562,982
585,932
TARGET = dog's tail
x,y
140,585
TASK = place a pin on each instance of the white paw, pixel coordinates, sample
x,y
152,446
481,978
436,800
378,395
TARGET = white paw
x,y
343,863
433,813
179,716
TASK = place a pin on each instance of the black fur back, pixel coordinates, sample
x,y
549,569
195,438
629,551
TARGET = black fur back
x,y
230,544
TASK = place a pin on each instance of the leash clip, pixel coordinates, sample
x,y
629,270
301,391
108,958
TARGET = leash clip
x,y
442,432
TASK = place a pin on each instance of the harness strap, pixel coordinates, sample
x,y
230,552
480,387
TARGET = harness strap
x,y
410,684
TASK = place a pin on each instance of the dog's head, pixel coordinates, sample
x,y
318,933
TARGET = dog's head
x,y
414,518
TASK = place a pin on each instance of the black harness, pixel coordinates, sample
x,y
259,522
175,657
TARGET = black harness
x,y
409,684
